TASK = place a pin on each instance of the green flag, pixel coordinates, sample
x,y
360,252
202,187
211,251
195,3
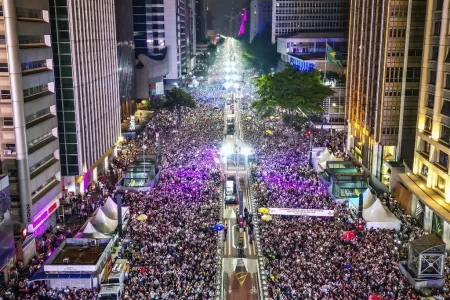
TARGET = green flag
x,y
331,56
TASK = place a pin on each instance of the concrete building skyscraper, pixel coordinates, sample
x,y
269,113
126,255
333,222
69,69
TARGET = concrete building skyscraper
x,y
429,180
166,27
292,16
86,85
383,79
28,124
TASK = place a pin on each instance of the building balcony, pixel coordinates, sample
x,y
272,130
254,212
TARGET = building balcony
x,y
35,71
36,96
39,120
51,185
43,167
418,186
41,144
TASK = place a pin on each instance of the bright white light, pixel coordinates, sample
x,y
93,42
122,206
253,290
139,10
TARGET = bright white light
x,y
236,85
227,77
226,150
246,151
227,84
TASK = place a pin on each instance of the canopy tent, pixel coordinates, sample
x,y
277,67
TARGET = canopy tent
x,y
377,217
323,164
368,198
104,224
89,231
323,156
110,209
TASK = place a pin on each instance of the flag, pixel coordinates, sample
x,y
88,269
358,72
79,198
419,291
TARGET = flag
x,y
419,209
331,56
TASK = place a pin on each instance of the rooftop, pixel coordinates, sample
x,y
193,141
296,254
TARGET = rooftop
x,y
78,255
309,35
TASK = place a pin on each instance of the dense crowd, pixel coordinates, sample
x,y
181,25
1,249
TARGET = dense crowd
x,y
306,257
172,254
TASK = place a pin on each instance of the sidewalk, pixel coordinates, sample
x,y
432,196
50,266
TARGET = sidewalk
x,y
143,116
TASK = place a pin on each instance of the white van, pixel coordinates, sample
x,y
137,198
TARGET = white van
x,y
117,274
111,291
230,187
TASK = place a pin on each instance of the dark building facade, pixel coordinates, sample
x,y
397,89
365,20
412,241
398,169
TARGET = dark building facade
x,y
201,20
125,55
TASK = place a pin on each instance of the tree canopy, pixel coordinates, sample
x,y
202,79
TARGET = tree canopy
x,y
177,98
291,90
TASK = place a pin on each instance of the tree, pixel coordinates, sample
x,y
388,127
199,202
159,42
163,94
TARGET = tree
x,y
260,54
176,99
293,91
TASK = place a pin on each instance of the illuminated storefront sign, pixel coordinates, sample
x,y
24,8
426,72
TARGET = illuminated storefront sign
x,y
44,215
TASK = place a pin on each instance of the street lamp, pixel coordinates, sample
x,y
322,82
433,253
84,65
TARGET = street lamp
x,y
144,147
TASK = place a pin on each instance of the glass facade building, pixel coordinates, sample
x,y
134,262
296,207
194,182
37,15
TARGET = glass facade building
x,y
87,93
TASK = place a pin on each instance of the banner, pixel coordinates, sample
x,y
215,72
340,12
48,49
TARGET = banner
x,y
301,212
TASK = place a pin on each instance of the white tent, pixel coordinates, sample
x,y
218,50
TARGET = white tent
x,y
90,232
368,198
110,209
103,224
323,156
323,164
376,216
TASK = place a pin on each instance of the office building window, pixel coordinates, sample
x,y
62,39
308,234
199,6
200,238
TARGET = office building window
x,y
424,171
447,81
439,4
430,102
8,122
5,94
445,134
432,79
428,124
443,160
440,184
426,148
437,28
445,110
434,52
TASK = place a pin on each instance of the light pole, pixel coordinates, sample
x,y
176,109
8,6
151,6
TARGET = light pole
x,y
144,147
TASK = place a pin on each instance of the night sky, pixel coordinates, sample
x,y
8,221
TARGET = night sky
x,y
219,10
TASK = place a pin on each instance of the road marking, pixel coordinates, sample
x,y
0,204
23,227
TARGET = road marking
x,y
241,276
229,237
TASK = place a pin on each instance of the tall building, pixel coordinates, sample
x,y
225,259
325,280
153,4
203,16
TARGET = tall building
x,y
429,180
383,79
86,86
292,16
125,55
28,124
166,27
260,16
201,20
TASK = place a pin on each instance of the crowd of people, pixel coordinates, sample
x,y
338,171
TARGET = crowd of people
x,y
306,257
173,254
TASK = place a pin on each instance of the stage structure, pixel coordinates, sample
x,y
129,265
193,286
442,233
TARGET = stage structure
x,y
426,262
141,176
